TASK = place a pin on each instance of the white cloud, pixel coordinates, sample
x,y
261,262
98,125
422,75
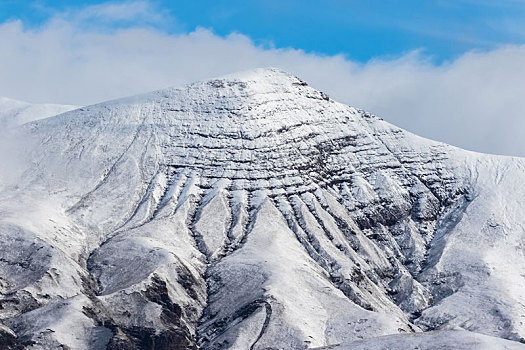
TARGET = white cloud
x,y
475,101
108,15
129,11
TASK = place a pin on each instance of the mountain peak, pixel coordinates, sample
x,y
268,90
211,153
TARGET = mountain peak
x,y
268,74
254,125
261,81
238,89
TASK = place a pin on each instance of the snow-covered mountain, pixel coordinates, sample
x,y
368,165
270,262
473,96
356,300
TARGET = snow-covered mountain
x,y
254,212
14,113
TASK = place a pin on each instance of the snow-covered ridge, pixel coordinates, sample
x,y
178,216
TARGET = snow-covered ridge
x,y
14,113
253,211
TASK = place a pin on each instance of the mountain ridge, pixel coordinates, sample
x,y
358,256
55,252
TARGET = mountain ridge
x,y
14,113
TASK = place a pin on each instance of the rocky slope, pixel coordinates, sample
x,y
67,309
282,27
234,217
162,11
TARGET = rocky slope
x,y
254,212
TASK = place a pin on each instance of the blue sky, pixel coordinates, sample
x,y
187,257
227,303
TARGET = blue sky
x,y
360,30
446,70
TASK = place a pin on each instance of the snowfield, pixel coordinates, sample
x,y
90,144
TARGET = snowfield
x,y
254,212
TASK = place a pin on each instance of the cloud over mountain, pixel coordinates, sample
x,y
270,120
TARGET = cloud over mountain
x,y
473,101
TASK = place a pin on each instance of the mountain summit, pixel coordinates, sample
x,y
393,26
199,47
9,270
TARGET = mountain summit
x,y
254,212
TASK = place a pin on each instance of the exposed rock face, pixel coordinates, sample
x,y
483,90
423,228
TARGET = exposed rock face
x,y
254,212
